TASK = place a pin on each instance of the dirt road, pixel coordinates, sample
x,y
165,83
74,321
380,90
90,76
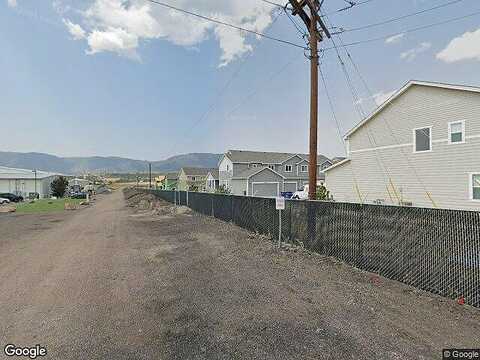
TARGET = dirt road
x,y
112,282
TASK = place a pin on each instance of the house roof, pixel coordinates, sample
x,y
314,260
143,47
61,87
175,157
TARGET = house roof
x,y
13,173
197,171
253,171
339,163
171,176
400,92
264,157
338,159
215,173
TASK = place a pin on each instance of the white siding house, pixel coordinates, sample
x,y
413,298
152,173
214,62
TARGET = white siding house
x,y
22,182
420,148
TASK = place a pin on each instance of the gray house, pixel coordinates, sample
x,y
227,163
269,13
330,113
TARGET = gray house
x,y
420,148
256,173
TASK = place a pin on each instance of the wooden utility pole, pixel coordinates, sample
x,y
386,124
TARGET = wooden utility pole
x,y
312,22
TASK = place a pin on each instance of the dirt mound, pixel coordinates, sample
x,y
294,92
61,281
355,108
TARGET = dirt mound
x,y
143,201
138,199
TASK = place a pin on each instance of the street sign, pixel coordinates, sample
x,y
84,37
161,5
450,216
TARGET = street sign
x,y
280,203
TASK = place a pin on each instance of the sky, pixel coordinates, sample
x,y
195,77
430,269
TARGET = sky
x,y
134,79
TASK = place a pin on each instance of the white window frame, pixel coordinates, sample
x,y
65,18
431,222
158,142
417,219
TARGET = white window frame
x,y
471,186
450,132
414,132
271,167
306,168
291,168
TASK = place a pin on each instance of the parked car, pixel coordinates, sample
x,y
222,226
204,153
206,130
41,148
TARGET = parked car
x,y
4,201
11,197
79,195
287,194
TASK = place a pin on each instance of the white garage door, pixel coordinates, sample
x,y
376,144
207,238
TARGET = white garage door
x,y
290,187
265,189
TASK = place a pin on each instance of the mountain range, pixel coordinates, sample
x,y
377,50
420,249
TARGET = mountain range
x,y
98,164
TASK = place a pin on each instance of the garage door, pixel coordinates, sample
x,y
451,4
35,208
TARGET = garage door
x,y
269,190
290,187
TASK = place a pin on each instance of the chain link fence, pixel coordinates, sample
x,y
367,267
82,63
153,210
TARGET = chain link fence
x,y
435,250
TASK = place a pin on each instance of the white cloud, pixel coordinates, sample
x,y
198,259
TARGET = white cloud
x,y
12,3
75,30
120,25
465,47
115,40
411,54
394,39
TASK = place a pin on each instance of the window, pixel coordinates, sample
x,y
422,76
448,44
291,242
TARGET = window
x,y
456,132
271,167
422,139
255,165
228,167
325,165
304,168
193,178
475,186
288,168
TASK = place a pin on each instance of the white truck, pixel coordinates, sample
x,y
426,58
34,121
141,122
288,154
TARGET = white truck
x,y
301,194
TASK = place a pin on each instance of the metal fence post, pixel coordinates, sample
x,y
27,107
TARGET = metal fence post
x,y
279,228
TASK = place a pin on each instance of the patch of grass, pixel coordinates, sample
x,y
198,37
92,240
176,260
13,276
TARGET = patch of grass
x,y
45,205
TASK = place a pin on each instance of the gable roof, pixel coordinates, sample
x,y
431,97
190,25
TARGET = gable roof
x,y
337,164
14,173
214,173
402,90
266,157
196,171
171,176
247,174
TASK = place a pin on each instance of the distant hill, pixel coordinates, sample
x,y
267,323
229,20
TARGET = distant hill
x,y
78,165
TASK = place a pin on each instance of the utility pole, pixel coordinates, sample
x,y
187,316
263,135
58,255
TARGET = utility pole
x,y
316,36
150,174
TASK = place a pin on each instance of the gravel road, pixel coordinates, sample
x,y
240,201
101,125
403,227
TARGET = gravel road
x,y
116,282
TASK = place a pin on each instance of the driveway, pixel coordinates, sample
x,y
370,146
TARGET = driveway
x,y
116,282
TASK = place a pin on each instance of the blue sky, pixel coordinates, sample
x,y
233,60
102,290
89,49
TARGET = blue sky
x,y
128,78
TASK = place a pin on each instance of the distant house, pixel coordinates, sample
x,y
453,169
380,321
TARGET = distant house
x,y
256,173
169,181
24,182
192,178
212,182
421,147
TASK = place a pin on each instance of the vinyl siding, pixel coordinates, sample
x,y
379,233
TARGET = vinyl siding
x,y
420,106
224,174
443,172
238,187
264,176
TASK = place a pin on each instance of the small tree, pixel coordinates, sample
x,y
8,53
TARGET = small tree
x,y
323,193
222,189
59,186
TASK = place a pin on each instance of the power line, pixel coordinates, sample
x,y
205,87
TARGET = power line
x,y
399,18
407,31
223,23
352,5
362,78
227,85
